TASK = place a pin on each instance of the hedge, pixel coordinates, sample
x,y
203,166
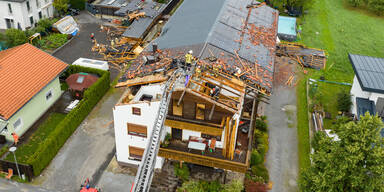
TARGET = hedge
x,y
56,139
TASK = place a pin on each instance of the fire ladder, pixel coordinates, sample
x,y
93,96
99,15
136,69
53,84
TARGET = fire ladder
x,y
144,174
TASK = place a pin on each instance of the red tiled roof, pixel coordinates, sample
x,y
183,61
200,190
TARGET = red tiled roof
x,y
86,82
24,71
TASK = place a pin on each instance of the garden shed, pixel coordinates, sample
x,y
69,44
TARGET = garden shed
x,y
79,82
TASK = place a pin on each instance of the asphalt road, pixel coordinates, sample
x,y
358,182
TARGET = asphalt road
x,y
282,157
80,45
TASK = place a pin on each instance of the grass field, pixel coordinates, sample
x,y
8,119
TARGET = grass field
x,y
24,151
339,29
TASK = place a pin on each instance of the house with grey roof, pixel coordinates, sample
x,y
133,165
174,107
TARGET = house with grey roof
x,y
368,85
21,14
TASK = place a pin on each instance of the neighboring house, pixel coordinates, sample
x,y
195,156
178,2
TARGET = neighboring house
x,y
133,122
368,85
29,86
21,14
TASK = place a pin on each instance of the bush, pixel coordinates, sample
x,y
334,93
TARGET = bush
x,y
15,37
182,173
256,158
261,125
344,101
202,186
3,150
55,139
260,171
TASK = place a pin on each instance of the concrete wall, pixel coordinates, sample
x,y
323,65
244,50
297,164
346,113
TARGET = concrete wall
x,y
356,91
21,15
34,109
122,115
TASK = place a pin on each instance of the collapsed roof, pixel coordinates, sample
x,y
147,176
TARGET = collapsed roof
x,y
236,35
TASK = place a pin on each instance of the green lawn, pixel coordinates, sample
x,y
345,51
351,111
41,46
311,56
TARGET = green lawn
x,y
24,151
341,30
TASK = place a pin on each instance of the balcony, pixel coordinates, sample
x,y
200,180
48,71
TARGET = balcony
x,y
178,150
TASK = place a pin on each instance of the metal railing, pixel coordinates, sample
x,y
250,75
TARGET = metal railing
x,y
145,171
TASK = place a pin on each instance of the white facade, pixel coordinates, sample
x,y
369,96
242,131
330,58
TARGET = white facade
x,y
123,114
356,91
21,14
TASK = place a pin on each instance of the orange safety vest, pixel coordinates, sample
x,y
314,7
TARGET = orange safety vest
x,y
15,137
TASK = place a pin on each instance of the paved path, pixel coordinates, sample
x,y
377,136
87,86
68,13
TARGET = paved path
x,y
87,151
13,186
282,157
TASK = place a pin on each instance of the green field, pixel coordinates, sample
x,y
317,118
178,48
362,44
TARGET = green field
x,y
27,149
339,29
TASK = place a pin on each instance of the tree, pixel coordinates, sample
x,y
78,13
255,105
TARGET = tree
x,y
61,5
15,37
355,163
344,101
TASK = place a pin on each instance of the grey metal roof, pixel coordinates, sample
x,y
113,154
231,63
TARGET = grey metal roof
x,y
140,25
137,28
369,72
190,24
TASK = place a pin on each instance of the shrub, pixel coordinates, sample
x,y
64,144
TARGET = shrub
x,y
256,158
261,125
182,173
234,186
15,37
344,101
261,171
55,139
3,150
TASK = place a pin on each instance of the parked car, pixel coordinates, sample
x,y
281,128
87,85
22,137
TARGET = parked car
x,y
73,11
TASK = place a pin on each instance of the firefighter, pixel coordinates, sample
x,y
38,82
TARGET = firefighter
x,y
15,138
189,58
198,72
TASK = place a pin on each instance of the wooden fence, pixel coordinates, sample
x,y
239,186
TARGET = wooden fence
x,y
26,170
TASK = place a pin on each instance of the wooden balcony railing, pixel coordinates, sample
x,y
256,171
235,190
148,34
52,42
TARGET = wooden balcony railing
x,y
203,160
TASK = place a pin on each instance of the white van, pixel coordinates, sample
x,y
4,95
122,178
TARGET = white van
x,y
97,64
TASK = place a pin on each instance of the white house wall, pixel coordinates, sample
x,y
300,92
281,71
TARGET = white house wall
x,y
356,91
122,115
20,14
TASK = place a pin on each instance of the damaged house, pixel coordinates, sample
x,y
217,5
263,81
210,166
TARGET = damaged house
x,y
210,112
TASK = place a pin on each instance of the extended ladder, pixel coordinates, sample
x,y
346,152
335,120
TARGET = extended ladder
x,y
144,174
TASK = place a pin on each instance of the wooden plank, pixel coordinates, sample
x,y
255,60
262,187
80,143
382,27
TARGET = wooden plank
x,y
143,80
194,127
227,82
203,160
219,85
208,98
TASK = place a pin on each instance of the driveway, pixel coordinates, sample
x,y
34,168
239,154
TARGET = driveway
x,y
282,157
87,152
13,186
81,45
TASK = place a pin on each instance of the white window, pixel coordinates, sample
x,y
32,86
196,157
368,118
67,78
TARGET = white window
x,y
48,95
18,123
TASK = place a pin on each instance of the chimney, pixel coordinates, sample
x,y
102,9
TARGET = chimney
x,y
154,48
